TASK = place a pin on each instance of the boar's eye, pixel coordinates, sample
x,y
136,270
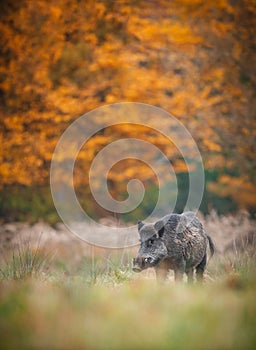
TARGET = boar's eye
x,y
150,242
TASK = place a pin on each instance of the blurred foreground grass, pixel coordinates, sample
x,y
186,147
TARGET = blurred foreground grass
x,y
106,306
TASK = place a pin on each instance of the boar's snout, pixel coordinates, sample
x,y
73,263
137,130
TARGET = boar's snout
x,y
140,263
137,264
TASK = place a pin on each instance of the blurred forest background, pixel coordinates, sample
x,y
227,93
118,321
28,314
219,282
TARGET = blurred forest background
x,y
63,58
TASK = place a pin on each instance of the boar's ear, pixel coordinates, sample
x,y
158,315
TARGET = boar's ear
x,y
159,226
140,225
161,232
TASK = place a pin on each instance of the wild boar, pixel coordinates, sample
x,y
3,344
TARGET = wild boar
x,y
176,242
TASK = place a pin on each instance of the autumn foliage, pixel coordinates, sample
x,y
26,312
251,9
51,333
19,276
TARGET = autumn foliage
x,y
195,59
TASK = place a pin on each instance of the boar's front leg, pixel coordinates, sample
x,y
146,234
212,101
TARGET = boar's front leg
x,y
162,270
161,273
190,274
179,271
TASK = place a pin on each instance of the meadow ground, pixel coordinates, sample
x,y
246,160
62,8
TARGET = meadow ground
x,y
64,295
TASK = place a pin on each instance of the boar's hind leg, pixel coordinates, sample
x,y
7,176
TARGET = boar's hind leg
x,y
200,269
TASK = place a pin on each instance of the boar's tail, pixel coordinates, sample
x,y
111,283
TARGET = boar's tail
x,y
211,245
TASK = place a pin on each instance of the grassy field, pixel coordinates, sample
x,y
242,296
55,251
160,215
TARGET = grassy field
x,y
47,302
